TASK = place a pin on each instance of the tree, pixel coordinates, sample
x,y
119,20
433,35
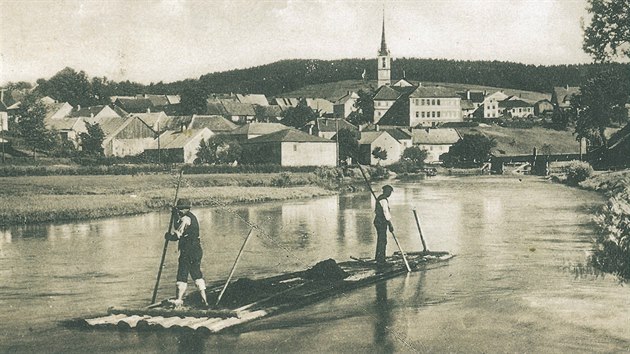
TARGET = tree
x,y
608,34
471,150
364,109
92,140
299,115
193,100
379,154
600,103
218,149
68,86
30,123
415,154
348,143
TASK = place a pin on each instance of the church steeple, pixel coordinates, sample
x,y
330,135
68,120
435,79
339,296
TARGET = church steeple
x,y
384,60
383,50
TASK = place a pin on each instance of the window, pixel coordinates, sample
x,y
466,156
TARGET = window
x,y
417,114
422,101
422,114
433,102
384,63
438,114
294,147
438,102
432,114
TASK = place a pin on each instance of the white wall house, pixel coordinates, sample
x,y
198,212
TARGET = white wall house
x,y
491,104
431,105
435,141
373,139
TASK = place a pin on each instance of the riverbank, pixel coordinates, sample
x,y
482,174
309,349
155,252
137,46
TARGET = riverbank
x,y
38,199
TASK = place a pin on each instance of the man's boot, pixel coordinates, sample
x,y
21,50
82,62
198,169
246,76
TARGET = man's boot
x,y
201,285
181,290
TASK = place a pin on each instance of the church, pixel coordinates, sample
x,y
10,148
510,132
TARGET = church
x,y
405,104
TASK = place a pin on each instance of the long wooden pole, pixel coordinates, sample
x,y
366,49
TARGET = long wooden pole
x,y
424,245
402,253
170,228
238,257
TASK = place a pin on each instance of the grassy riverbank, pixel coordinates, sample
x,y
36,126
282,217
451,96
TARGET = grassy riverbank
x,y
62,198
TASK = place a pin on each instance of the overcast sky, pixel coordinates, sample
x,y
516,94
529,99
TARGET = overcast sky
x,y
168,40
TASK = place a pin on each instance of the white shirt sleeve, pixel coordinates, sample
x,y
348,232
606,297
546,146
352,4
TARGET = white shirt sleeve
x,y
185,222
385,206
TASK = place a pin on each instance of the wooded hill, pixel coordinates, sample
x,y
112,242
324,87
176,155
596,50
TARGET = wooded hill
x,y
289,75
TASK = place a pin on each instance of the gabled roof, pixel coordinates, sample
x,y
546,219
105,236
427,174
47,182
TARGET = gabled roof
x,y
53,108
175,122
514,103
134,105
386,93
474,96
433,91
287,101
86,111
319,104
398,133
289,135
173,99
369,137
173,139
403,83
332,124
215,107
152,119
63,123
259,128
467,104
347,97
439,136
109,125
564,94
216,124
397,114
272,111
258,99
157,100
238,109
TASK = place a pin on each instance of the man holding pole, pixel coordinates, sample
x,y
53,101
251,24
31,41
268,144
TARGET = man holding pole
x,y
382,221
190,252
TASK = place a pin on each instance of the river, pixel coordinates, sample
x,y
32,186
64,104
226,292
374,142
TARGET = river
x,y
519,282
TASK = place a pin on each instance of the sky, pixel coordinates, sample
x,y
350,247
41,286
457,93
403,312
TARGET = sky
x,y
169,40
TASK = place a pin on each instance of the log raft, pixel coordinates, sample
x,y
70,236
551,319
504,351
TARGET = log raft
x,y
248,300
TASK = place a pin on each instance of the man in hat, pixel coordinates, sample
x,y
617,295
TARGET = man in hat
x,y
382,221
190,253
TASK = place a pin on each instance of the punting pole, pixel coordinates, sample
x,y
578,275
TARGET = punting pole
x,y
402,253
170,228
424,245
234,267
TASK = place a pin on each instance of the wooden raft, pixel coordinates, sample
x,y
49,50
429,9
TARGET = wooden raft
x,y
250,300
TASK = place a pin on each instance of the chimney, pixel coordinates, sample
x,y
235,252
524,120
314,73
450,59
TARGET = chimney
x,y
2,95
78,107
91,115
419,84
378,128
148,110
567,87
467,94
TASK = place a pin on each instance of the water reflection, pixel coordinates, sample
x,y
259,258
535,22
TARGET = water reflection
x,y
382,336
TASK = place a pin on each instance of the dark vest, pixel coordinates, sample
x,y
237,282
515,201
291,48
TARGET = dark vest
x,y
190,238
378,211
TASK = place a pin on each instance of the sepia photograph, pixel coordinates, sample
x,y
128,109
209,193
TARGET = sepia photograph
x,y
314,176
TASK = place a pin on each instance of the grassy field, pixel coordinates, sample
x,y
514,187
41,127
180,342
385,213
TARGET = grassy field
x,y
61,198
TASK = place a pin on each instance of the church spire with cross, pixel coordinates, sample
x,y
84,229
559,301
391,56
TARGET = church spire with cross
x,y
384,60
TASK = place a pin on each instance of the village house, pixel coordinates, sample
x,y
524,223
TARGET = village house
x,y
216,124
68,128
178,146
327,128
270,113
561,97
321,106
370,140
435,141
345,105
516,108
255,129
233,110
96,112
432,105
257,99
490,107
286,102
155,120
542,107
57,110
290,147
124,136
135,105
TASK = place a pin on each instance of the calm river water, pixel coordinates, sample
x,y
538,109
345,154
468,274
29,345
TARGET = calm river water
x,y
517,284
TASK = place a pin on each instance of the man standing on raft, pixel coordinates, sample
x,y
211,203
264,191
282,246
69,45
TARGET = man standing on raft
x,y
190,252
382,221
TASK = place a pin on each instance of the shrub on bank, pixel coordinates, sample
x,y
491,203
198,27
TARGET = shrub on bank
x,y
612,248
577,171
